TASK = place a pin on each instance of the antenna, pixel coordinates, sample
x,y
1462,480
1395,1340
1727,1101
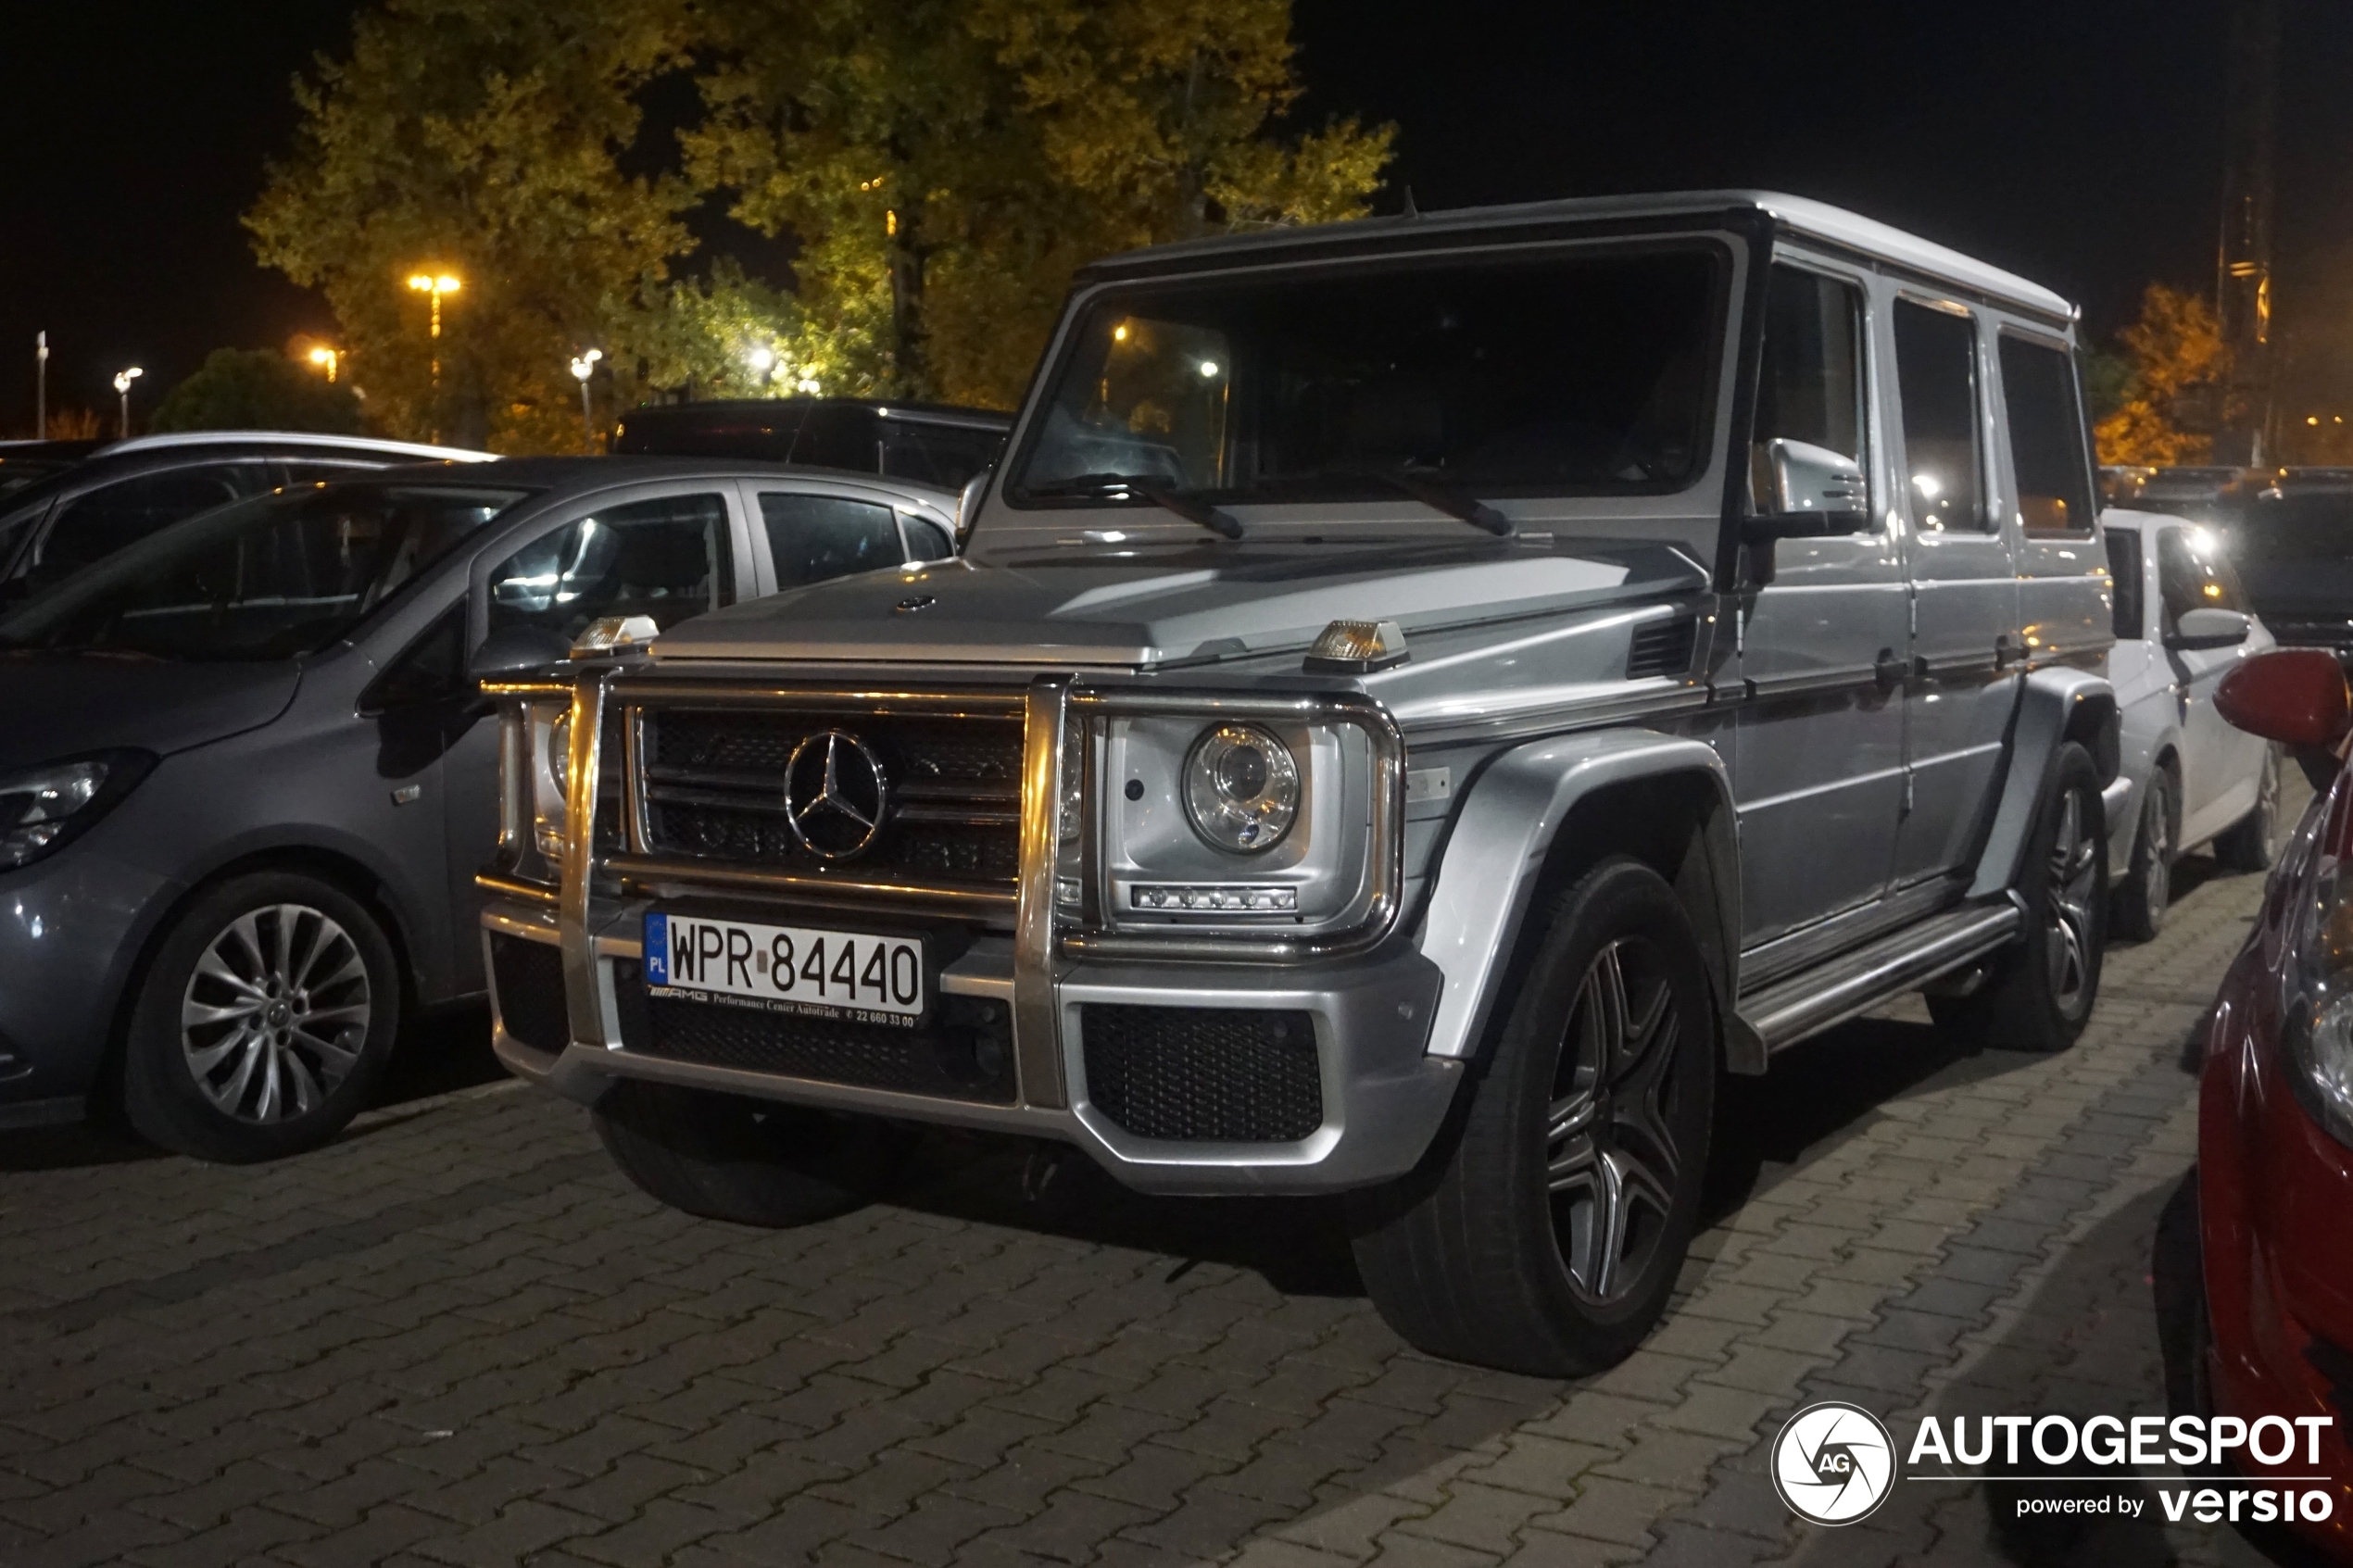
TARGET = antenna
x,y
1411,210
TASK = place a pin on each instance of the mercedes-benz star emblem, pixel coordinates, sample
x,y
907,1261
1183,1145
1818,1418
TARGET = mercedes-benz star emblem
x,y
835,794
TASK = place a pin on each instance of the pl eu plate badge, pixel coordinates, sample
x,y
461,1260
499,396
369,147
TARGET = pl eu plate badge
x,y
657,949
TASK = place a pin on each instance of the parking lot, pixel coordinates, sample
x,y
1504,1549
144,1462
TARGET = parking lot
x,y
459,1337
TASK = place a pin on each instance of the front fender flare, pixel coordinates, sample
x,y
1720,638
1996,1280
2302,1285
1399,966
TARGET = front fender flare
x,y
1501,842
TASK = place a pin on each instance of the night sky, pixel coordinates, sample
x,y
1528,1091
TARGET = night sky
x,y
2075,143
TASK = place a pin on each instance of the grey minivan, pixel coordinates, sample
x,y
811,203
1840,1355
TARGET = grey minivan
x,y
244,779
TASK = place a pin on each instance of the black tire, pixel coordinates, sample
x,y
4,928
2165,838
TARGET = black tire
x,y
2037,994
263,1021
2142,898
746,1161
2251,843
1495,1251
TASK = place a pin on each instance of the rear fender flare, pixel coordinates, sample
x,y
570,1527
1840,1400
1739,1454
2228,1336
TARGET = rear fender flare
x,y
1507,845
2055,706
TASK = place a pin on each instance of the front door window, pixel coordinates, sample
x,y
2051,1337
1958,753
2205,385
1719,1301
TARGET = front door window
x,y
666,558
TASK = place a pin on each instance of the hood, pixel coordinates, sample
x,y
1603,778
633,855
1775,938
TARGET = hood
x,y
1184,606
63,705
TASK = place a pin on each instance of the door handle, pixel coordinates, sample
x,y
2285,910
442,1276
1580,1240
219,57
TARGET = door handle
x,y
2004,650
1889,669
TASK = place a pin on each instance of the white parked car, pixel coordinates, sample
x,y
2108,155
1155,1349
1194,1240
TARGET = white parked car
x,y
2186,778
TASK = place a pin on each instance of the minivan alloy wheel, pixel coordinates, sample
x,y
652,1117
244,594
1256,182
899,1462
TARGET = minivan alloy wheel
x,y
2074,882
275,1013
1610,1159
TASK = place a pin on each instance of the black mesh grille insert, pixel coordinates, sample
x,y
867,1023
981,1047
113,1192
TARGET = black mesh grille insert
x,y
529,977
966,1054
1204,1075
714,787
1662,647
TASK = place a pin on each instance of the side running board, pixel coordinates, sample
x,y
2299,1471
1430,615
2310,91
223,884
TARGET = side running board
x,y
1854,982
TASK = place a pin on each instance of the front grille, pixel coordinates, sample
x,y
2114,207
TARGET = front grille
x,y
1204,1075
966,1054
715,789
529,980
1662,647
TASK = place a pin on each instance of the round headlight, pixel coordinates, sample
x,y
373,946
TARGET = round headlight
x,y
1241,788
559,752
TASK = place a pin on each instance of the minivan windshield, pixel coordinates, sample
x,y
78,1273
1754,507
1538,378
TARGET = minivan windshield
x,y
270,578
1588,373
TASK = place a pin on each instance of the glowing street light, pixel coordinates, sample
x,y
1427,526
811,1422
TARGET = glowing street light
x,y
435,284
582,367
122,379
328,358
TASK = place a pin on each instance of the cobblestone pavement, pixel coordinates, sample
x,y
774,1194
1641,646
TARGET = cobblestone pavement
x,y
458,1337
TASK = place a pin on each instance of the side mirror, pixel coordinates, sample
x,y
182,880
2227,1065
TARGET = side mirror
x,y
2209,628
1813,493
968,504
2295,697
518,651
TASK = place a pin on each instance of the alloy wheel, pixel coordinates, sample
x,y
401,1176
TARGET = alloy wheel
x,y
2156,889
1610,1154
276,1015
2070,935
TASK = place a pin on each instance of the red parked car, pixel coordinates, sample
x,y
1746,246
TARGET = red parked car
x,y
2275,1106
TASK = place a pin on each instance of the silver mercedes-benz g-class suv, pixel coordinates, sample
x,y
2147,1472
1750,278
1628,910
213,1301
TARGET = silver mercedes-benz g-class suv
x,y
1419,700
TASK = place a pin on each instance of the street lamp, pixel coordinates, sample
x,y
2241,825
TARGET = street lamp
x,y
122,379
582,367
41,386
328,358
435,285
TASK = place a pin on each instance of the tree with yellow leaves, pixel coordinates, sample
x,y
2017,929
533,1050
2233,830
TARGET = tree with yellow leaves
x,y
2178,363
947,165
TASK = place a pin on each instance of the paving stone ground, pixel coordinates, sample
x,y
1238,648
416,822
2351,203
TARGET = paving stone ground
x,y
458,1337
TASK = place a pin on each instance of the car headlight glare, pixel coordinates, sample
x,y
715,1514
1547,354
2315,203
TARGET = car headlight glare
x,y
42,807
1241,788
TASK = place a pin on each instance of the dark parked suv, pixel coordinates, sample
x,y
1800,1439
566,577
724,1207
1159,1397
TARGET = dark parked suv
x,y
245,777
925,442
83,511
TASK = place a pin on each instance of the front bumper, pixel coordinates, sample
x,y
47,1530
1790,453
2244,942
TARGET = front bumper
x,y
1382,1097
2274,1196
70,929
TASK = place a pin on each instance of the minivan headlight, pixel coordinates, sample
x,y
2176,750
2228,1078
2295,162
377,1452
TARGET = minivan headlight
x,y
43,809
1241,788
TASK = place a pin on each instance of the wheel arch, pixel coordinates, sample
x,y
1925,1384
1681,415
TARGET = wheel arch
x,y
2055,706
347,872
1544,813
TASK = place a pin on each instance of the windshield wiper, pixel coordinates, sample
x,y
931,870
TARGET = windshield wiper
x,y
1435,494
1105,486
1442,498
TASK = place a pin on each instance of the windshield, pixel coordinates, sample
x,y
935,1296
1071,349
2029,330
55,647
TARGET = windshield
x,y
266,579
2285,529
1588,374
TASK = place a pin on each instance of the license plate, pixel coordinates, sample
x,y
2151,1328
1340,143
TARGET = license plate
x,y
808,970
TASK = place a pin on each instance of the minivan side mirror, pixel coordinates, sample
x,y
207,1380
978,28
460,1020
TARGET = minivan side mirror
x,y
517,650
1813,493
2295,697
968,504
2208,627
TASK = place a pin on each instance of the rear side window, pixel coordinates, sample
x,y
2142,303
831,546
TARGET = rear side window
x,y
1810,385
925,542
840,438
2124,565
94,525
666,558
2053,470
1936,381
812,538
